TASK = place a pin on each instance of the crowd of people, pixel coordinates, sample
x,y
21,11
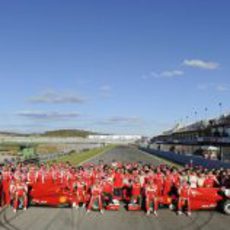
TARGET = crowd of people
x,y
136,184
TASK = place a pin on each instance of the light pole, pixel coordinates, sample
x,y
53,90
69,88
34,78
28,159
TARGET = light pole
x,y
220,107
187,118
195,113
206,113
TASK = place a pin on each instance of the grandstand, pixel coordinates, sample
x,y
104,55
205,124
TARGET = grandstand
x,y
193,138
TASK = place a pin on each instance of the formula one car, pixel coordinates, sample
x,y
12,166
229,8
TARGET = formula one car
x,y
50,195
208,198
56,195
200,199
211,198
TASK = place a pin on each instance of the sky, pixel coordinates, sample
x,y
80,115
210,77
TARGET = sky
x,y
117,66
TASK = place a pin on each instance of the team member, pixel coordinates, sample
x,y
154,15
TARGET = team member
x,y
193,179
118,183
184,192
210,180
151,197
159,180
1,190
200,180
96,196
79,193
136,192
108,190
168,183
20,191
6,179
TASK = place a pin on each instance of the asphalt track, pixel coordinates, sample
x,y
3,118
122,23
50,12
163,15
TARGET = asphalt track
x,y
39,218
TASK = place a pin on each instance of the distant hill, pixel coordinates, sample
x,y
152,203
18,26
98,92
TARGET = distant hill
x,y
67,133
12,134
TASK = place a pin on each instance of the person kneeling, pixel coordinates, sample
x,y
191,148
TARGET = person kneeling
x,y
20,193
96,196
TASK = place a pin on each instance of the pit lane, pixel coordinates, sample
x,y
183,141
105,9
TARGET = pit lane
x,y
39,218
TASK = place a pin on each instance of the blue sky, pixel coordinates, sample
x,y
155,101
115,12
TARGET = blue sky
x,y
119,66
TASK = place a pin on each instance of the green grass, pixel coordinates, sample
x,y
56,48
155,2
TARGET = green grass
x,y
78,158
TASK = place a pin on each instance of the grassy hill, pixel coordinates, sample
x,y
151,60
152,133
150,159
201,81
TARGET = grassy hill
x,y
67,133
2,133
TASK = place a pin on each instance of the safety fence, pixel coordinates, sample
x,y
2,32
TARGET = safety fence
x,y
185,159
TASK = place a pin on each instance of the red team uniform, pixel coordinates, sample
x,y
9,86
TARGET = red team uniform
x,y
106,184
96,196
151,197
20,190
184,192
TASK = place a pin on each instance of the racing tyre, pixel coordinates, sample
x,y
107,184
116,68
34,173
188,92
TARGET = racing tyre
x,y
226,207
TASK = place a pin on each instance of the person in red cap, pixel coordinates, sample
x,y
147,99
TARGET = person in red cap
x,y
151,197
21,191
96,196
184,192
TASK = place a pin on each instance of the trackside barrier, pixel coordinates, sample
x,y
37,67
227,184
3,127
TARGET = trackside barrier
x,y
184,160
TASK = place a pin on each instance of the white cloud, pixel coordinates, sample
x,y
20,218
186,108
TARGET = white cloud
x,y
197,63
105,88
214,87
53,97
222,88
172,73
202,86
41,115
163,74
121,120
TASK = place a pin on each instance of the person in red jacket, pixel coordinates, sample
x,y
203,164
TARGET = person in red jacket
x,y
118,183
79,193
136,192
210,180
159,180
151,197
184,192
32,176
20,191
1,192
167,184
96,196
108,190
6,178
175,178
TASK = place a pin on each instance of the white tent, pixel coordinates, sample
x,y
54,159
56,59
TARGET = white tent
x,y
210,148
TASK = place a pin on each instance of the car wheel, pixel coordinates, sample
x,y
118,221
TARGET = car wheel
x,y
226,207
